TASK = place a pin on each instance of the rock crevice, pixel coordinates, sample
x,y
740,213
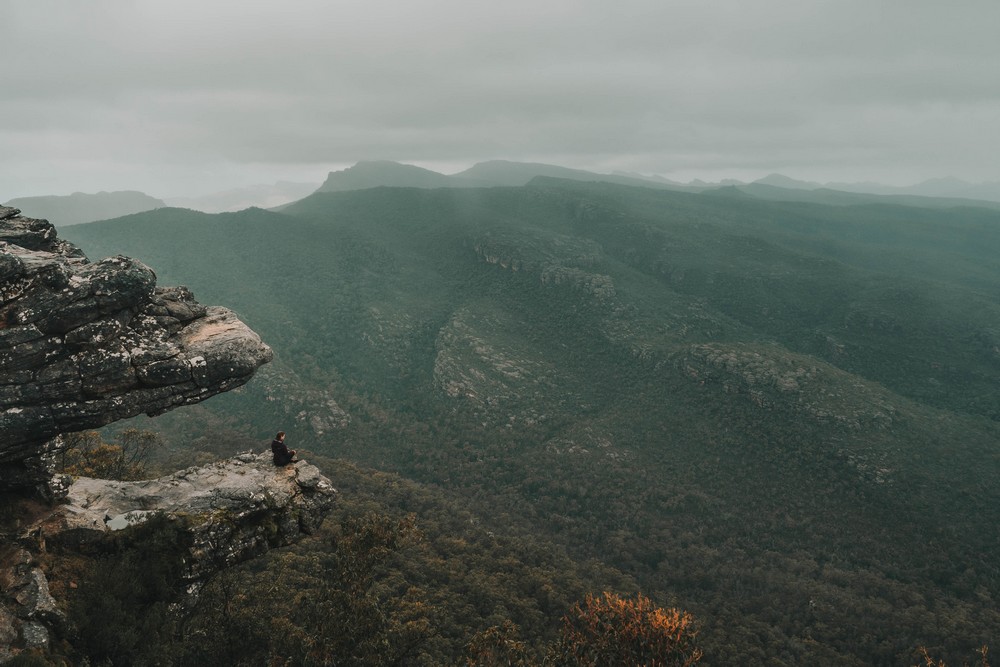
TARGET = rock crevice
x,y
83,344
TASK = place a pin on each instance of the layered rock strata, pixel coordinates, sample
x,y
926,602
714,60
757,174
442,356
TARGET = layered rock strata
x,y
84,344
232,509
228,512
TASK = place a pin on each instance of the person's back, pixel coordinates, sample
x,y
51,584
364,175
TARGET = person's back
x,y
280,452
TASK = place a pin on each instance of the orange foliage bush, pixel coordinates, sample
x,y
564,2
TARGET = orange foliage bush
x,y
929,661
611,630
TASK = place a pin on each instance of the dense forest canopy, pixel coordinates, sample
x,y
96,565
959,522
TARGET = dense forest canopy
x,y
779,416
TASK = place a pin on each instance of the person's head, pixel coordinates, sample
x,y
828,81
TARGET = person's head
x,y
280,436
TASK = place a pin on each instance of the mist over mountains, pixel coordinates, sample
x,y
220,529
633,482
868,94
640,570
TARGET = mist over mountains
x,y
484,174
948,187
781,415
658,303
237,199
774,186
80,207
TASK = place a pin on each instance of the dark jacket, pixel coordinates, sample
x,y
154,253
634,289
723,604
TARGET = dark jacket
x,y
280,452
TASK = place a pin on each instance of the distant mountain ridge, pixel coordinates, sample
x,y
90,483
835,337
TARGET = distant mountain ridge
x,y
749,405
948,192
948,187
376,173
385,173
832,197
79,207
504,172
238,199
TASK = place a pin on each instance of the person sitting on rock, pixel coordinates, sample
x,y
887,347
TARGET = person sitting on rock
x,y
282,455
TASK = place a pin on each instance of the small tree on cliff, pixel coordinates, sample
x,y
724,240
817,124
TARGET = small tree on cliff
x,y
87,455
611,630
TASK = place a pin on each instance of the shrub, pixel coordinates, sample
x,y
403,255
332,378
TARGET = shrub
x,y
611,630
87,455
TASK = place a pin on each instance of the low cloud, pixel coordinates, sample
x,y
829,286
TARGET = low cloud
x,y
176,98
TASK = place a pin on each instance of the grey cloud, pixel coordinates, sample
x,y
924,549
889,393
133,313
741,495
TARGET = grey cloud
x,y
835,90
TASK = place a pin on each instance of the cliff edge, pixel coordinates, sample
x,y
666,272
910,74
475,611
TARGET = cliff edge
x,y
223,513
84,344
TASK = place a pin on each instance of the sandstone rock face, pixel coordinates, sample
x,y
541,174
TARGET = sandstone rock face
x,y
230,511
84,344
233,509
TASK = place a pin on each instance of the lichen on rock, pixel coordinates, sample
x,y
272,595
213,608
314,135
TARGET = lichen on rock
x,y
232,509
224,513
84,344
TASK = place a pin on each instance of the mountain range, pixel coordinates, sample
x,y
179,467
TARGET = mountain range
x,y
780,415
933,193
80,207
383,173
237,199
949,187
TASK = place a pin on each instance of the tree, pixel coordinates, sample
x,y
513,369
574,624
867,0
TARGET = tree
x,y
612,630
498,646
85,454
121,613
928,661
317,606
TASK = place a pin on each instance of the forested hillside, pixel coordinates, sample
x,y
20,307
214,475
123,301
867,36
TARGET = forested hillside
x,y
780,416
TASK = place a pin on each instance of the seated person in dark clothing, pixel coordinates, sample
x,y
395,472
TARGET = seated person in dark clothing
x,y
282,455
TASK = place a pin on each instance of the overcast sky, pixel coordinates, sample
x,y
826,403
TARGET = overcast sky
x,y
177,97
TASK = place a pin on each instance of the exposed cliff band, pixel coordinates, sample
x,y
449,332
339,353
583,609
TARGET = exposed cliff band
x,y
224,513
235,509
84,344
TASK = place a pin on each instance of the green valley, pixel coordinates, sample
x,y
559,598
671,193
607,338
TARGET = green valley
x,y
781,416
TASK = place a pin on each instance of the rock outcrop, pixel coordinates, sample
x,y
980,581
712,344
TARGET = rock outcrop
x,y
28,612
84,344
227,512
774,378
232,509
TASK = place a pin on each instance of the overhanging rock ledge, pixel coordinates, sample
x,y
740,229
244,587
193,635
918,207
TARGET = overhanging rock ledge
x,y
84,344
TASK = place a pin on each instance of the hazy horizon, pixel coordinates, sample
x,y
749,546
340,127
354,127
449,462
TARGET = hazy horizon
x,y
186,99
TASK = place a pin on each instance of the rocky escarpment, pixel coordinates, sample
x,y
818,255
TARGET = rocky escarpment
x,y
84,344
226,512
232,509
774,378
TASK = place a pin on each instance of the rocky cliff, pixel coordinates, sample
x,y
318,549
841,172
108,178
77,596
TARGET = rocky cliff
x,y
233,509
83,344
225,513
